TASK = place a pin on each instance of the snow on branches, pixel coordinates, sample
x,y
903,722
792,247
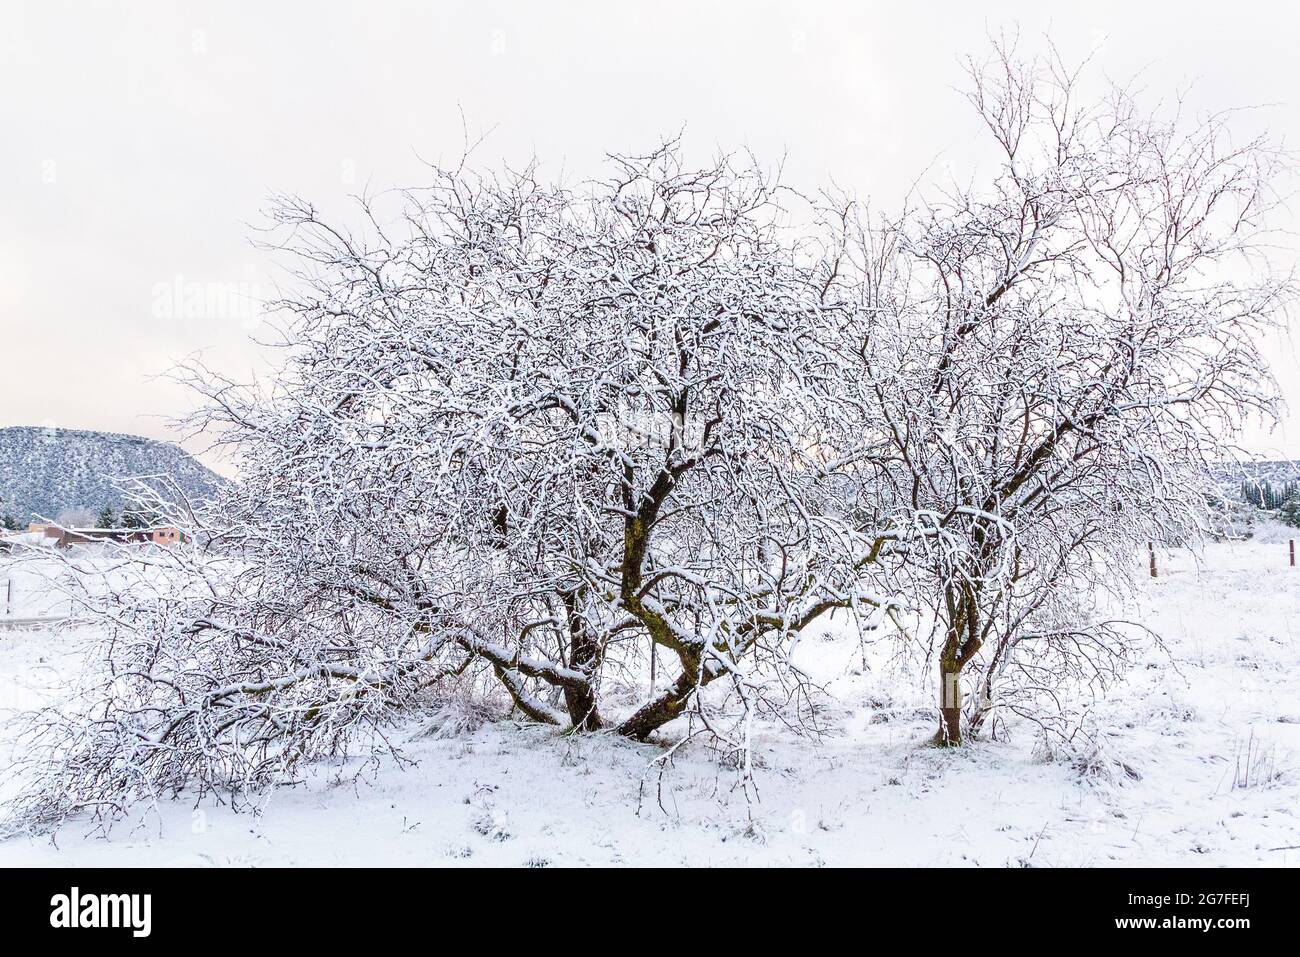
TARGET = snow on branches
x,y
531,433
1057,356
526,434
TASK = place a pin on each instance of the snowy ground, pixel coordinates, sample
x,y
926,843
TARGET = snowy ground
x,y
1216,744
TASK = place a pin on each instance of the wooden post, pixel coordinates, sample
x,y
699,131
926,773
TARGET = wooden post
x,y
1151,550
9,590
1292,544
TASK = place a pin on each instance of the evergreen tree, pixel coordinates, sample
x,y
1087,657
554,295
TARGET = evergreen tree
x,y
132,519
106,519
1259,494
1289,510
1264,495
1289,513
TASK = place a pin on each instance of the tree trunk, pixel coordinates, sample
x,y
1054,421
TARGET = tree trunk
x,y
669,705
584,656
580,702
949,734
581,705
959,645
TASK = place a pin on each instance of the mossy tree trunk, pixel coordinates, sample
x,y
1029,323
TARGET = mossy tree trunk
x,y
664,708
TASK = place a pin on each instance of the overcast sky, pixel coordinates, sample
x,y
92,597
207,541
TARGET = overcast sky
x,y
138,140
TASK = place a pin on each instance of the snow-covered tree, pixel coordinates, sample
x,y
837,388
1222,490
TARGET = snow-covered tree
x,y
1058,353
527,435
523,431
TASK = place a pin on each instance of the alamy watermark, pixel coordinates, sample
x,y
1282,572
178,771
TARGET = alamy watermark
x,y
181,298
76,909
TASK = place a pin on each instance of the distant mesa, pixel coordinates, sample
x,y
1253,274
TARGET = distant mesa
x,y
73,477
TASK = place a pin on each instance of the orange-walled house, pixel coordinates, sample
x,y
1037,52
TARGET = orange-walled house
x,y
65,537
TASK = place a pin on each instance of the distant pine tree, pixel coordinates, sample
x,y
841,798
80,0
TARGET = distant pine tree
x,y
1265,496
106,519
1289,513
1289,509
1259,494
140,519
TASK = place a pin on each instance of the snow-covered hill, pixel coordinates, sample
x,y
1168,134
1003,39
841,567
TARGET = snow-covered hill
x,y
49,472
1229,477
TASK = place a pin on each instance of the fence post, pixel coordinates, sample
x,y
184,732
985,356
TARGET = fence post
x,y
1292,544
1151,551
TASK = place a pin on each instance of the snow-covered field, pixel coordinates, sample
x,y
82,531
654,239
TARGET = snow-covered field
x,y
1213,738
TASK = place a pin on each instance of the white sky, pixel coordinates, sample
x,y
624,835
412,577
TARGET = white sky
x,y
138,140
